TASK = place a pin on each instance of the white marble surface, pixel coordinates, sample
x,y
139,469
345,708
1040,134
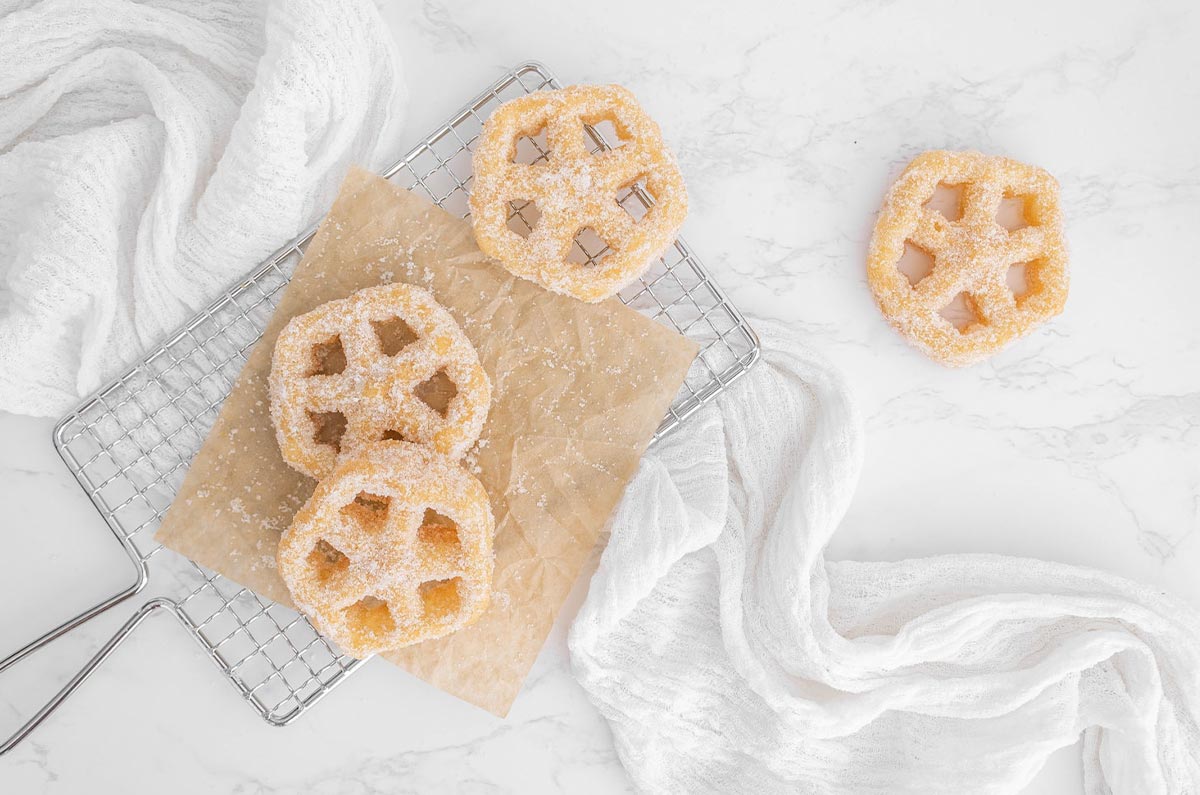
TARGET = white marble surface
x,y
1081,444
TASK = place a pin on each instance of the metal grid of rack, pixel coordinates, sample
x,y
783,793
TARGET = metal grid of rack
x,y
130,444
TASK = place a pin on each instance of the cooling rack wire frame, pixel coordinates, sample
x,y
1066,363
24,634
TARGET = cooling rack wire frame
x,y
130,444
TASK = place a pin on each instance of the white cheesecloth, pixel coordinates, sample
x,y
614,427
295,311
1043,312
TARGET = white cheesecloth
x,y
151,153
729,655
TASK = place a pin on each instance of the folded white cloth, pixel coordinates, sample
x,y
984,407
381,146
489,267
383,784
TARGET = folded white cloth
x,y
152,152
730,656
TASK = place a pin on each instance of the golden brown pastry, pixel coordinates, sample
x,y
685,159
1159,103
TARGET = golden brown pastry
x,y
574,190
972,255
394,547
388,362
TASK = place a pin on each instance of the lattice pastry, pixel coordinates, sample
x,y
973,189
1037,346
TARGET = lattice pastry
x,y
393,548
388,362
974,257
574,191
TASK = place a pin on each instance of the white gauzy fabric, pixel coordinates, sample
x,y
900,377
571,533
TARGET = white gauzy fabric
x,y
729,655
153,152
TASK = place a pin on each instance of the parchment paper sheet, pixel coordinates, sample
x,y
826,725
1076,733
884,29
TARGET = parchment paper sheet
x,y
578,392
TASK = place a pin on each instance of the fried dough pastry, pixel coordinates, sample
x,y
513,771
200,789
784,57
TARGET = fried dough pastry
x,y
393,548
575,190
975,259
388,362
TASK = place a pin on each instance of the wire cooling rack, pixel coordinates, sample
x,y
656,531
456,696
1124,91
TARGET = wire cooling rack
x,y
130,445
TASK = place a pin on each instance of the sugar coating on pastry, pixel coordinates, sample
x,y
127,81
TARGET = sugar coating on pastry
x,y
393,548
387,362
1004,229
575,190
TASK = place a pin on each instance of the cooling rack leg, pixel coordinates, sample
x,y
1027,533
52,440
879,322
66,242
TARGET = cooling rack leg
x,y
78,679
72,623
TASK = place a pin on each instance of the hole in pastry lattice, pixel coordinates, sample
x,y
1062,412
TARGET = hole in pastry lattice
x,y
1017,279
328,428
368,511
523,215
531,148
588,248
628,200
441,598
1013,212
616,136
438,530
947,200
437,392
326,560
329,357
394,335
961,312
915,263
371,614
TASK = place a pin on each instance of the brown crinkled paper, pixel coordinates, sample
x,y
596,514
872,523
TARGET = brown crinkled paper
x,y
579,390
